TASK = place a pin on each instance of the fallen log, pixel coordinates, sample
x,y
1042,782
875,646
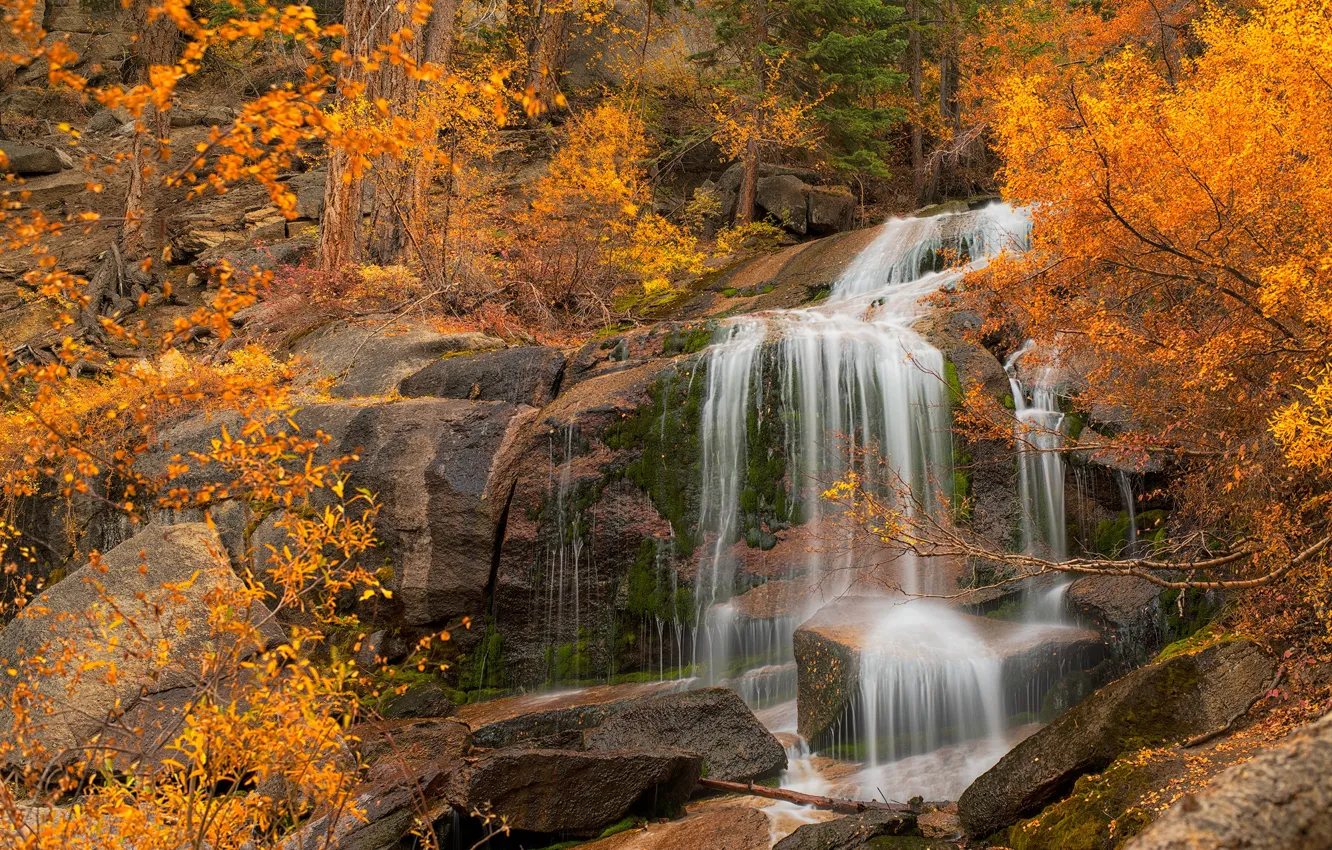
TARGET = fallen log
x,y
832,804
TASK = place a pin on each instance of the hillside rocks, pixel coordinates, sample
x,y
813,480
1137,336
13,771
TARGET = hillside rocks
x,y
580,792
1279,800
373,359
714,723
26,160
1168,701
160,634
794,197
528,375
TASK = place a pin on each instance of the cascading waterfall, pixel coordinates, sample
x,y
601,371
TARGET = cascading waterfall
x,y
1040,436
1130,507
846,385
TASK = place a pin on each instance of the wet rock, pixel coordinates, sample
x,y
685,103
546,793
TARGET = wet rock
x,y
525,375
713,723
735,827
1279,800
162,633
1159,704
580,792
373,359
1125,608
828,651
428,700
26,159
849,833
551,720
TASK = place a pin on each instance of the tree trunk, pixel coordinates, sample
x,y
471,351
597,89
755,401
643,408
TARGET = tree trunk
x,y
157,45
340,227
832,804
914,62
547,50
744,209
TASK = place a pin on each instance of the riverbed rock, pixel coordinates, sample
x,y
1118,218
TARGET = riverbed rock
x,y
713,723
1279,800
371,359
523,375
1155,705
161,633
580,792
785,197
714,827
828,651
852,832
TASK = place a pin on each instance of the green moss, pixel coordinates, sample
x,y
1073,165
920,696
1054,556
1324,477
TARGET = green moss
x,y
962,458
729,291
1210,635
663,434
688,339
623,826
1102,813
1009,403
654,592
484,670
909,842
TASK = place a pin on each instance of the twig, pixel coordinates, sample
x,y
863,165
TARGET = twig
x,y
1199,740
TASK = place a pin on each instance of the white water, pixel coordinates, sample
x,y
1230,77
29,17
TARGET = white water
x,y
1039,432
857,388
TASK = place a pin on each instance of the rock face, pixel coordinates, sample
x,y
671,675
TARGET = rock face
x,y
828,651
443,470
1168,701
713,723
737,827
529,375
580,792
848,833
1279,800
793,196
85,611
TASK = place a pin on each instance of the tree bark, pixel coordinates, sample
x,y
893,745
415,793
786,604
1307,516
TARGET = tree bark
x,y
547,51
744,210
832,804
340,227
156,45
914,61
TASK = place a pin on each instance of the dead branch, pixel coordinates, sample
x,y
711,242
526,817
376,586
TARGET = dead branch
x,y
832,804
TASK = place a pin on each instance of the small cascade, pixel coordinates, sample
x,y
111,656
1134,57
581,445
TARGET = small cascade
x,y
930,681
1039,432
1131,508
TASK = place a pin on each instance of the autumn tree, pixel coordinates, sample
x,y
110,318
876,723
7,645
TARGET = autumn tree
x,y
1179,269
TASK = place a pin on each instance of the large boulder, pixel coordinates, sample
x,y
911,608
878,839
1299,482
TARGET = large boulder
x,y
1159,704
545,720
1279,800
415,770
372,359
140,618
714,723
831,209
525,375
853,832
579,792
24,159
786,198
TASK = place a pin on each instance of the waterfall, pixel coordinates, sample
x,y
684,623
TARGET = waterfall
x,y
1131,508
930,681
1039,433
797,398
